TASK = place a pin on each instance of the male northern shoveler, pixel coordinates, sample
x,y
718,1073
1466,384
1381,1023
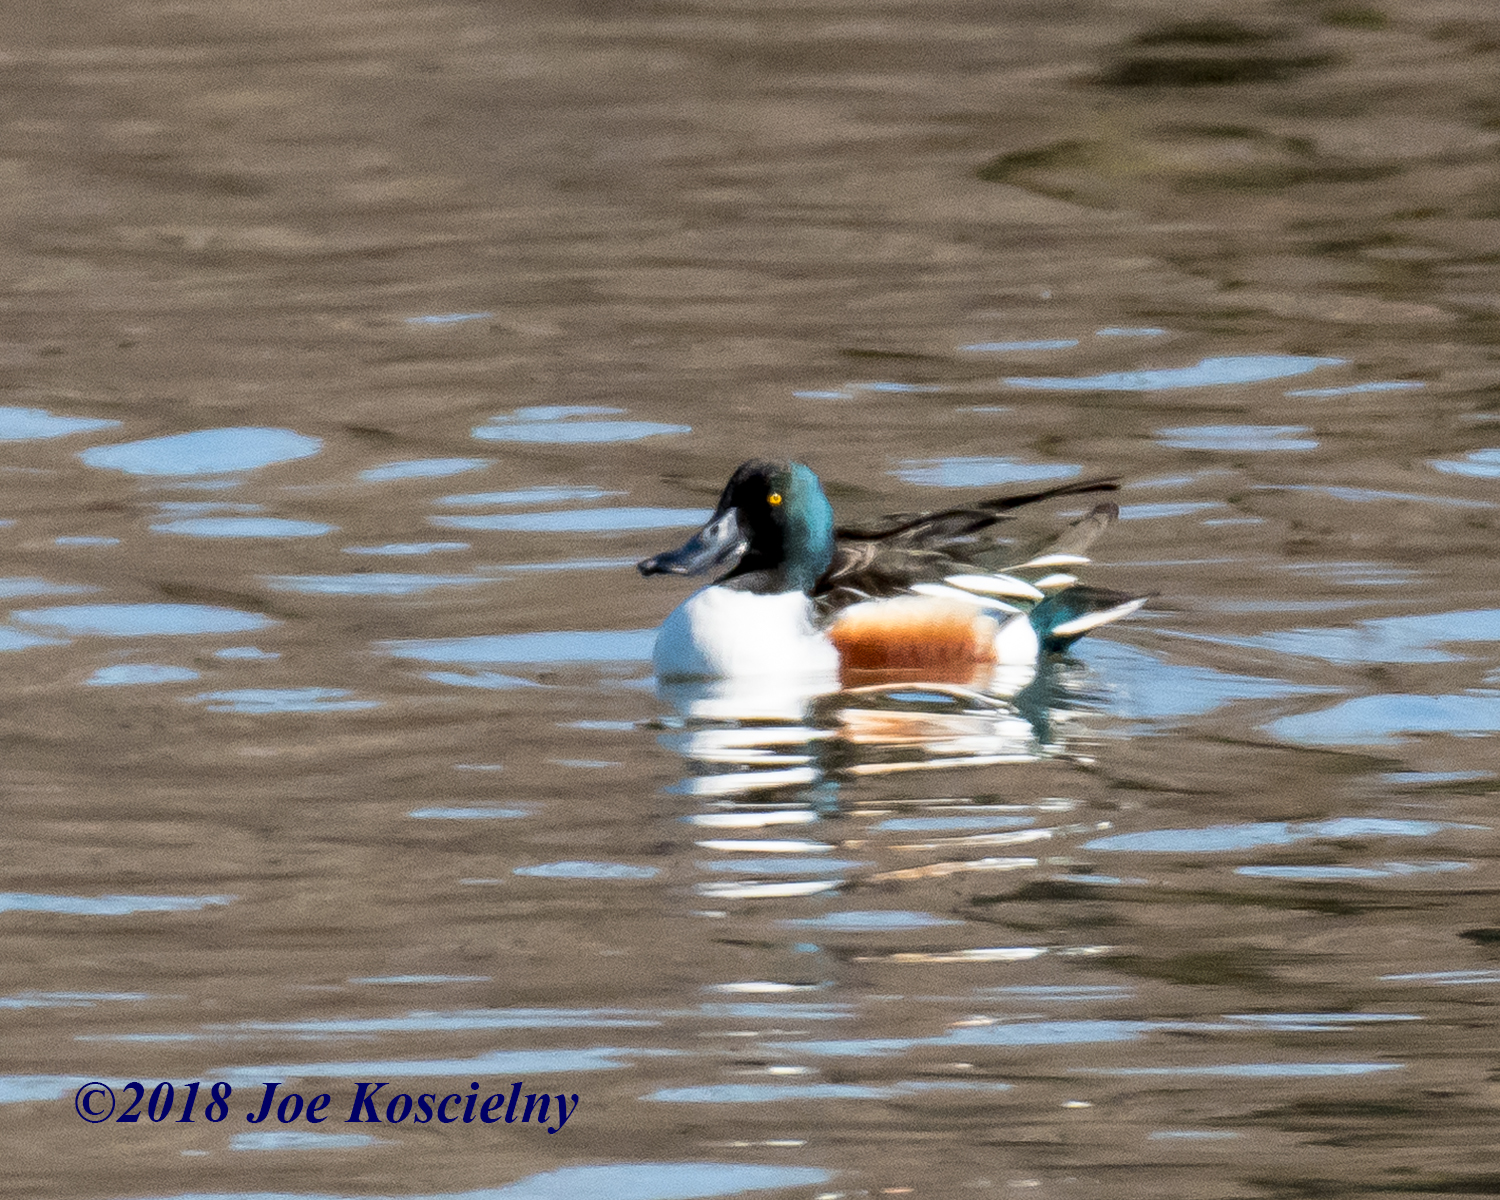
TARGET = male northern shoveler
x,y
917,597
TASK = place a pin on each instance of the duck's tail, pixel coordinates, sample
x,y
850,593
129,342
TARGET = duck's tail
x,y
1061,619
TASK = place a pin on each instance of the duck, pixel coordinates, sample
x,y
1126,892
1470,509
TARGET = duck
x,y
916,596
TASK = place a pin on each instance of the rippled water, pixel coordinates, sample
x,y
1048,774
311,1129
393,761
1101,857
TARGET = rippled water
x,y
356,353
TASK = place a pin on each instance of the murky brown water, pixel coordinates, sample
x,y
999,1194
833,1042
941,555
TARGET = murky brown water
x,y
323,771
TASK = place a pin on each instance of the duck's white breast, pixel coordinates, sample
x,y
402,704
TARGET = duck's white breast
x,y
720,632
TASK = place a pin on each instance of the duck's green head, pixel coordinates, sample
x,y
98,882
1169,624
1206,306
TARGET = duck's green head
x,y
772,530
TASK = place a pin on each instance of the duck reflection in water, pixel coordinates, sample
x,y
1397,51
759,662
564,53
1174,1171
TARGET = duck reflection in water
x,y
921,633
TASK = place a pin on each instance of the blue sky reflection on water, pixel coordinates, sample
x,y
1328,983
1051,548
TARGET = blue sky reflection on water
x,y
106,906
979,471
143,620
1383,719
1144,687
570,425
422,468
1209,372
242,527
1237,438
204,452
371,583
618,1181
1482,464
870,920
407,549
37,424
1404,639
1219,839
256,701
579,520
547,1061
139,674
562,646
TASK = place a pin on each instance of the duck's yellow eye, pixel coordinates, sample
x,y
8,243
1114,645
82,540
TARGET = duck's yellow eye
x,y
774,498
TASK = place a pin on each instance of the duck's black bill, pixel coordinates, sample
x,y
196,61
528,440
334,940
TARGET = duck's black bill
x,y
719,543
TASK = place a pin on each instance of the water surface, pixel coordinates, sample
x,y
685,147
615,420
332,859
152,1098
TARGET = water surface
x,y
355,355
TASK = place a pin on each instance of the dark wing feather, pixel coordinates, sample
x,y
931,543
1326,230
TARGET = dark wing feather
x,y
916,548
936,527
